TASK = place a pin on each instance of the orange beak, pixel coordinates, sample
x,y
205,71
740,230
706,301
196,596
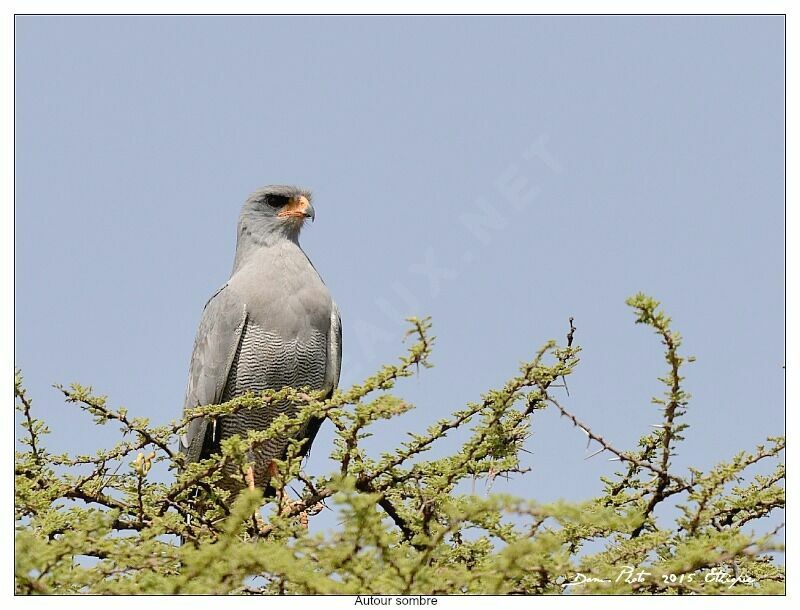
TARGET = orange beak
x,y
299,207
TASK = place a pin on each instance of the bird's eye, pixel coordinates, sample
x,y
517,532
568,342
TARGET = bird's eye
x,y
276,201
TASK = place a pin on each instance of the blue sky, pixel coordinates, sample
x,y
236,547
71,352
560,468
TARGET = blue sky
x,y
498,174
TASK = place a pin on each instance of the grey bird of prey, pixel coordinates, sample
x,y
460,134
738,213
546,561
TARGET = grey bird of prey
x,y
272,325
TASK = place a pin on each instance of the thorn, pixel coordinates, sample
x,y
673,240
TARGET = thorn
x,y
614,459
657,425
585,431
595,453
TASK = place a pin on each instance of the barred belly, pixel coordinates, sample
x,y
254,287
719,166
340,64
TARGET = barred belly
x,y
266,361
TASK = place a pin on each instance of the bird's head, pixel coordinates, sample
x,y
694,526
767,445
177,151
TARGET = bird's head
x,y
276,211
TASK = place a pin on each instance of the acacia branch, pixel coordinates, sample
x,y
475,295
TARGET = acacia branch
x,y
30,424
681,484
98,408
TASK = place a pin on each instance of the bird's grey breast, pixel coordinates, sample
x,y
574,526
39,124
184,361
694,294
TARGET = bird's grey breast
x,y
283,292
285,339
267,360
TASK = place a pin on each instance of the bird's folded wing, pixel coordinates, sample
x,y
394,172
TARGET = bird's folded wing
x,y
218,336
334,368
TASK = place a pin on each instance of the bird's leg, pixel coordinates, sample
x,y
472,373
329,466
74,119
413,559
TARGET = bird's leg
x,y
249,474
250,479
272,473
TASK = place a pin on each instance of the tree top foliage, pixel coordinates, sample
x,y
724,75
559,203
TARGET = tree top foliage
x,y
101,523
